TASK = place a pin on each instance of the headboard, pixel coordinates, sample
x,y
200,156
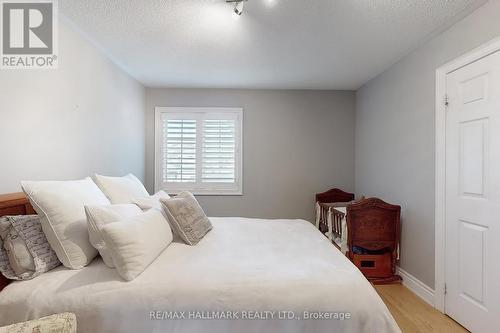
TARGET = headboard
x,y
373,224
13,204
334,195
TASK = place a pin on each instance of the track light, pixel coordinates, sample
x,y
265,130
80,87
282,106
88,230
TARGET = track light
x,y
238,7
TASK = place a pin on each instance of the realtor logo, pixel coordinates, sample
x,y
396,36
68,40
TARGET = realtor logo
x,y
29,34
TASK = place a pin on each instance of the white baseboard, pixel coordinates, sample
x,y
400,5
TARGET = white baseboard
x,y
418,287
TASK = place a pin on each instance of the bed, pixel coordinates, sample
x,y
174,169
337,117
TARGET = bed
x,y
246,275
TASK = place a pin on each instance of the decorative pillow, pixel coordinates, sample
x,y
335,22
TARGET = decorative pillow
x,y
136,242
121,190
18,256
60,323
186,217
152,201
60,205
98,216
25,253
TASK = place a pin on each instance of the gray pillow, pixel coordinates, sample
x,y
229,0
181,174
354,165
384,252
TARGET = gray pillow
x,y
186,217
24,250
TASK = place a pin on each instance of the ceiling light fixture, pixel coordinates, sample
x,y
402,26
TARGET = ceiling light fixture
x,y
238,5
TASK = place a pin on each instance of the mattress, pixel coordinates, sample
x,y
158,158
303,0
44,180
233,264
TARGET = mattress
x,y
246,275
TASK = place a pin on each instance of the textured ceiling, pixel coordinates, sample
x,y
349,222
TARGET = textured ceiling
x,y
297,44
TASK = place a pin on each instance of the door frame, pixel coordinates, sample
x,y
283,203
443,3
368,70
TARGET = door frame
x,y
440,167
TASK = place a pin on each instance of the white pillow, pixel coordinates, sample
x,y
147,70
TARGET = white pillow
x,y
60,205
136,242
121,190
152,201
98,216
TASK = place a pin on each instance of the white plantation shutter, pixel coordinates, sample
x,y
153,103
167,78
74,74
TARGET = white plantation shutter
x,y
179,150
219,151
199,150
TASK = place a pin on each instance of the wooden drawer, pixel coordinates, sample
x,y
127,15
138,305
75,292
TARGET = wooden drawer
x,y
374,266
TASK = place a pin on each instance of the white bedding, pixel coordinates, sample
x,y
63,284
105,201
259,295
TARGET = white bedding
x,y
242,265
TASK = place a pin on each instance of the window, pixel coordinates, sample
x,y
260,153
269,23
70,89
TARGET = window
x,y
199,150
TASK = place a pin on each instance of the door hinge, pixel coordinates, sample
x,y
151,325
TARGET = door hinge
x,y
445,289
446,100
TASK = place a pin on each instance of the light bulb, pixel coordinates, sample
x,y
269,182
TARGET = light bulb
x,y
238,8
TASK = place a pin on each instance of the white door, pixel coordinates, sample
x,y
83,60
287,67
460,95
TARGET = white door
x,y
473,195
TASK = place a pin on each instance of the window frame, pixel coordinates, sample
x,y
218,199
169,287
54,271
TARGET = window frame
x,y
199,188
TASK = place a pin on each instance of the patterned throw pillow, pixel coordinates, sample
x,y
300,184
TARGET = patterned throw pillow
x,y
186,217
60,323
24,250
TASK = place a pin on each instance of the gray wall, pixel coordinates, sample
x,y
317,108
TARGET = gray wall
x,y
394,145
296,143
87,116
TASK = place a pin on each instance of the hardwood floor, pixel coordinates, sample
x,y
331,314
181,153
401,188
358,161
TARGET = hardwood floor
x,y
412,314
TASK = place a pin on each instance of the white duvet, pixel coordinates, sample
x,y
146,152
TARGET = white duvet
x,y
264,275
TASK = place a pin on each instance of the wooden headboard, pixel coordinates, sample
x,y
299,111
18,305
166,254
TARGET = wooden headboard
x,y
334,195
13,204
374,224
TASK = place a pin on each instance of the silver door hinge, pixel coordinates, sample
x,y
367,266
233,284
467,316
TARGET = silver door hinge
x,y
446,100
445,289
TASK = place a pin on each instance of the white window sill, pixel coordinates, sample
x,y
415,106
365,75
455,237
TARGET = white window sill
x,y
208,194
